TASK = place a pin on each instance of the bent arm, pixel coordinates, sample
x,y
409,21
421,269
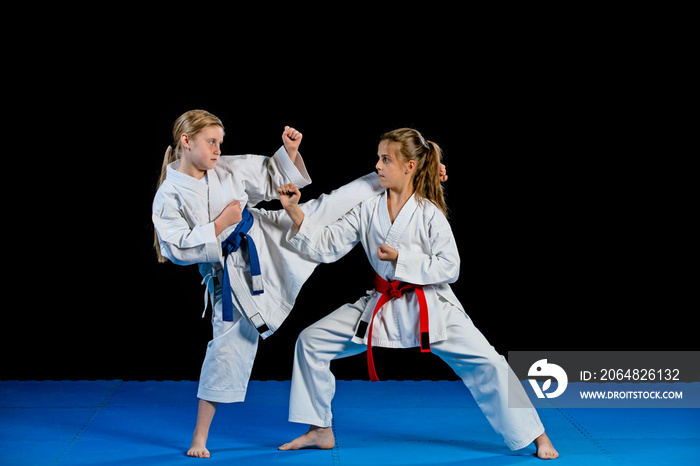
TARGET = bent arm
x,y
441,265
181,243
261,175
185,246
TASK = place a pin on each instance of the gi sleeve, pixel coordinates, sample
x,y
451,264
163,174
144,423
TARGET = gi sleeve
x,y
261,175
328,208
180,243
440,265
327,243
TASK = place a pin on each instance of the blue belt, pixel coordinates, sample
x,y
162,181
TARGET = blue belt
x,y
231,244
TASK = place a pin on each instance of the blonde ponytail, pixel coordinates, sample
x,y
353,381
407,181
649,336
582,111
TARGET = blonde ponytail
x,y
190,123
428,156
170,157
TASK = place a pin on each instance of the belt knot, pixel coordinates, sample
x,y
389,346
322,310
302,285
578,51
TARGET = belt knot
x,y
393,290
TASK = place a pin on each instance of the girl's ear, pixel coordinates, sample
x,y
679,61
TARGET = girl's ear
x,y
185,140
410,166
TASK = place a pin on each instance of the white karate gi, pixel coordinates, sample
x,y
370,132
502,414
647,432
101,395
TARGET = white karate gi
x,y
427,256
184,210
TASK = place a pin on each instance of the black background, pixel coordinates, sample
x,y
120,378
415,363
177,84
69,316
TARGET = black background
x,y
565,199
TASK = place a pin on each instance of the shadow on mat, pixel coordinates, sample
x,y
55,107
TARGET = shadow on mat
x,y
416,441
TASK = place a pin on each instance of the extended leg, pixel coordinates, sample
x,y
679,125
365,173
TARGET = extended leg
x,y
487,375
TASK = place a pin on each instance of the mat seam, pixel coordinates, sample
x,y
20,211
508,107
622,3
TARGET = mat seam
x,y
97,410
335,453
587,435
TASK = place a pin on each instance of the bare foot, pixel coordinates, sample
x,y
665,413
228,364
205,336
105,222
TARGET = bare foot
x,y
198,449
545,449
205,414
316,437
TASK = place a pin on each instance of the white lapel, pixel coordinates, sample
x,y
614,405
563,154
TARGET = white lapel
x,y
185,181
401,221
392,233
216,195
384,217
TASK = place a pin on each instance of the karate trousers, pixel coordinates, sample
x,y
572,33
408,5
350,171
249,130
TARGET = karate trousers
x,y
230,355
466,350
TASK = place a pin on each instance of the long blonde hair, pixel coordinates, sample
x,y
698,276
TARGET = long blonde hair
x,y
428,156
190,123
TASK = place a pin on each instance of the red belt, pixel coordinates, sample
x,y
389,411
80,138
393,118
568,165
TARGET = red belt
x,y
390,290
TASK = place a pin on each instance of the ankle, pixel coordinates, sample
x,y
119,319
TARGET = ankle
x,y
319,429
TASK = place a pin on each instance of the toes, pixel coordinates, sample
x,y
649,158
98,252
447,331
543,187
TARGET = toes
x,y
198,453
547,455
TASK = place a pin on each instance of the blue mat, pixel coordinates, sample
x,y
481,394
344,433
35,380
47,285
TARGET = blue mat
x,y
386,423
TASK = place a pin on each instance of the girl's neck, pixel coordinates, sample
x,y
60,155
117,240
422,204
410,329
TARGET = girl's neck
x,y
397,198
190,170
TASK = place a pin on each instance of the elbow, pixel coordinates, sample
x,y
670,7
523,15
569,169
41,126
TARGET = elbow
x,y
173,255
453,272
455,275
173,258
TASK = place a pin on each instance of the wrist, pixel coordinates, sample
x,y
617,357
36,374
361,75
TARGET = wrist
x,y
296,215
218,227
292,153
221,224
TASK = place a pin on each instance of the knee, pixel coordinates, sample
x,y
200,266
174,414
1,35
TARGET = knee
x,y
487,356
483,364
493,358
307,339
490,364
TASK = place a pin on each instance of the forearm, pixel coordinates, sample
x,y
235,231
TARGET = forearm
x,y
292,155
219,226
295,214
188,246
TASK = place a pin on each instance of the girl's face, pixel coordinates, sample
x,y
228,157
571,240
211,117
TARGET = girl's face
x,y
393,172
205,148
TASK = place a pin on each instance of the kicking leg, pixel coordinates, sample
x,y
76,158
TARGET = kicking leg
x,y
328,208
